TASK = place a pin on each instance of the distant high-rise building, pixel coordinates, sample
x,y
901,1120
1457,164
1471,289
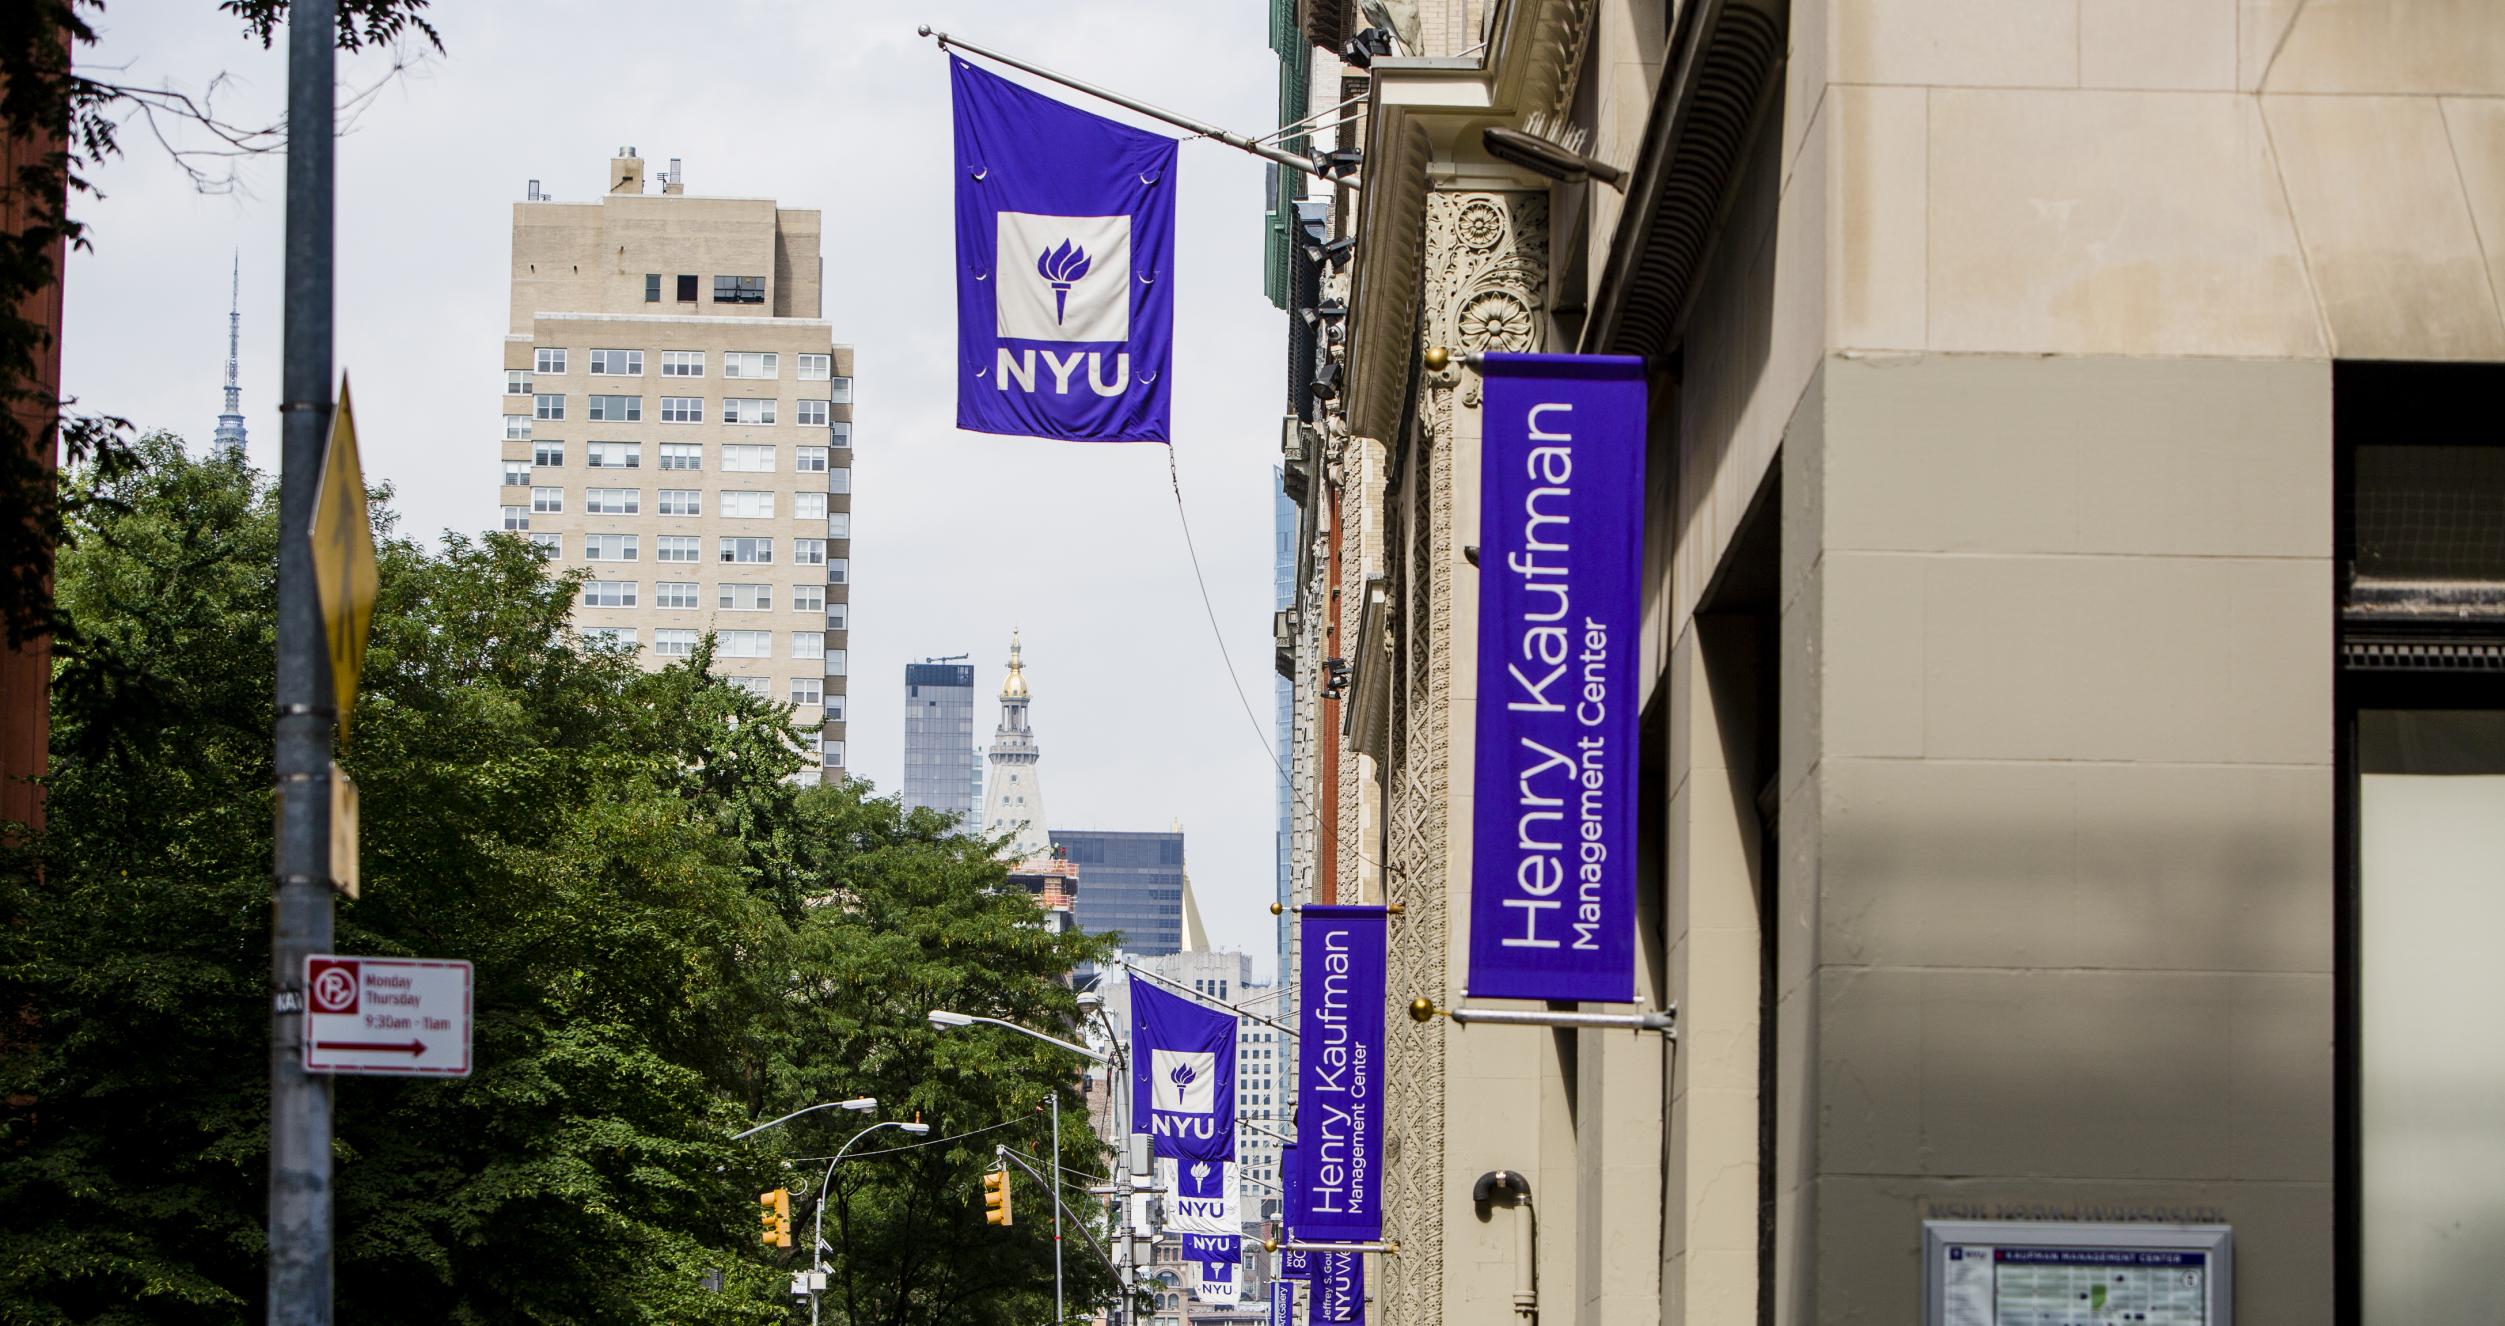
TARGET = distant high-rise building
x,y
1130,884
229,438
1013,798
678,423
940,771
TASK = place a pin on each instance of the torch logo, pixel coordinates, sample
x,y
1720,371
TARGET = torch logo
x,y
1184,1081
1062,268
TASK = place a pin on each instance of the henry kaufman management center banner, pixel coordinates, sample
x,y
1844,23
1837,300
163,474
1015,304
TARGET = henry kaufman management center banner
x,y
1182,1075
1065,254
1201,1196
1336,1195
1561,513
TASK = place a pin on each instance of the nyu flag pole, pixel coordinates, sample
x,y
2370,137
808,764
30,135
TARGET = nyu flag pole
x,y
1182,1076
1065,266
1552,876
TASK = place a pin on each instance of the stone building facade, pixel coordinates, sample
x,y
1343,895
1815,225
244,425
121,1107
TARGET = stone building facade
x,y
2037,387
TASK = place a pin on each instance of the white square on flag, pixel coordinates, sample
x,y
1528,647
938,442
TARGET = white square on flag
x,y
1063,278
1183,1081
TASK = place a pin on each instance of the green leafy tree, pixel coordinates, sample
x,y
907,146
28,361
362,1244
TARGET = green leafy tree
x,y
670,939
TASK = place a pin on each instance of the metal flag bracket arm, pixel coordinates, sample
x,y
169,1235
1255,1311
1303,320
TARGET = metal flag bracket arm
x,y
1388,1247
1389,908
1210,131
1663,1020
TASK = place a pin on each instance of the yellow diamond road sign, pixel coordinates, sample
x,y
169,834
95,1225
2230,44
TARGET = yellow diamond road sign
x,y
343,557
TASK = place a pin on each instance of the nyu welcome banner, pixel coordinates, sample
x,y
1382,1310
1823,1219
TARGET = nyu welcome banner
x,y
1335,1196
1200,1196
1182,1075
1337,1289
1561,515
1065,260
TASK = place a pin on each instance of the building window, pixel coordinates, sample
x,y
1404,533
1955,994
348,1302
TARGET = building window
x,y
548,455
747,409
674,593
516,517
548,405
748,505
746,644
517,382
751,364
839,571
607,635
810,552
814,368
682,409
674,642
746,458
839,479
613,501
839,525
682,456
517,427
840,433
839,390
839,616
805,506
549,545
834,708
755,686
809,460
808,598
613,455
739,290
547,501
687,289
608,593
682,363
807,690
746,598
809,414
747,550
616,409
548,362
834,662
517,474
680,501
617,363
609,547
678,548
808,644
652,287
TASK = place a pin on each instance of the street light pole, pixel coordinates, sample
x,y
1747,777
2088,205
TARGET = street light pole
x,y
817,1228
1059,1315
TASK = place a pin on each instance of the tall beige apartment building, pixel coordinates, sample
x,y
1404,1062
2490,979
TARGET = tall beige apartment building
x,y
678,424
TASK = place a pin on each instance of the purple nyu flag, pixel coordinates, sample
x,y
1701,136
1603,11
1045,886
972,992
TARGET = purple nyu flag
x,y
1337,1289
1282,1303
1182,1075
1336,1194
1561,517
1065,265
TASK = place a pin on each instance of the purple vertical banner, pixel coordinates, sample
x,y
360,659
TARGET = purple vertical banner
x,y
1065,266
1294,1265
1282,1303
1561,533
1336,1193
1337,1290
1182,1075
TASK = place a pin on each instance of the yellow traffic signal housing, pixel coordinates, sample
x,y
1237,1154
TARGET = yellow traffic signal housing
x,y
775,1218
996,1197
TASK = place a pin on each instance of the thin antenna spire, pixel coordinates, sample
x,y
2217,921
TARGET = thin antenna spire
x,y
230,425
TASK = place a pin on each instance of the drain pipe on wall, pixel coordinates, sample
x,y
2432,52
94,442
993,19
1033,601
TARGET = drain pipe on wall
x,y
1510,1187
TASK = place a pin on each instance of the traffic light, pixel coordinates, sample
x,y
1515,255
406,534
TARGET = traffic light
x,y
996,1197
775,1218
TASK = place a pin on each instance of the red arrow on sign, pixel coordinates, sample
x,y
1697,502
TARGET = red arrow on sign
x,y
411,1047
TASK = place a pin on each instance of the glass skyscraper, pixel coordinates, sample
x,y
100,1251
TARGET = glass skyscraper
x,y
940,769
1130,884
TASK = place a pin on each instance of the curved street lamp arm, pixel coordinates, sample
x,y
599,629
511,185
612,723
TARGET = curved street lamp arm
x,y
823,1105
1048,1040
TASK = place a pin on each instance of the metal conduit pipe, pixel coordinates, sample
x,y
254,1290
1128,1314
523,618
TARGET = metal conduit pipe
x,y
1510,1187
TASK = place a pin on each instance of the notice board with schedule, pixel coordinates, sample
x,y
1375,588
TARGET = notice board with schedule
x,y
2057,1273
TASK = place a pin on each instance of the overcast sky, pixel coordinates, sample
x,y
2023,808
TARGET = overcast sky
x,y
835,105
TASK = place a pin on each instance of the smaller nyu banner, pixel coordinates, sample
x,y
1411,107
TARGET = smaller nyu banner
x,y
1335,1193
1282,1303
1294,1265
1219,1256
1219,1284
1065,259
1182,1075
1200,1196
1337,1288
1561,533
